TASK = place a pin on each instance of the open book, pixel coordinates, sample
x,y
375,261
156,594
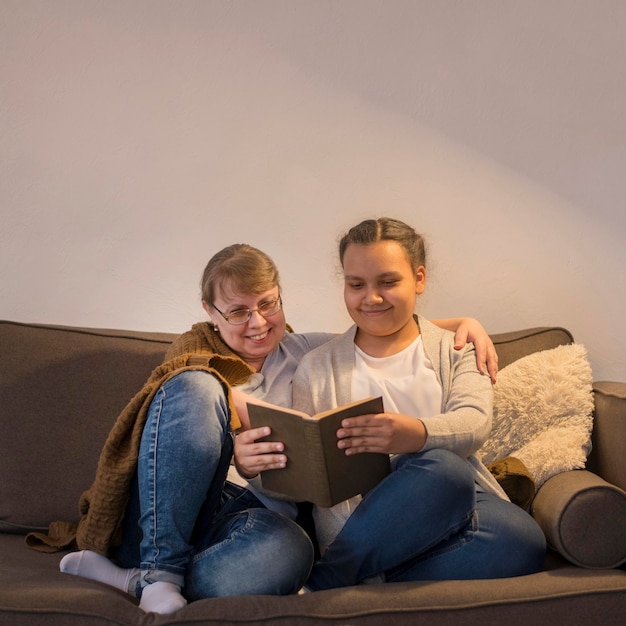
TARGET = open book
x,y
317,470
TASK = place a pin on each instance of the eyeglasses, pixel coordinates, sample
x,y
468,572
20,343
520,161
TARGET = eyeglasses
x,y
241,316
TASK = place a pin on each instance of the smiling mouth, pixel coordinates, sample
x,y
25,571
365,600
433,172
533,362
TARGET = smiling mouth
x,y
259,337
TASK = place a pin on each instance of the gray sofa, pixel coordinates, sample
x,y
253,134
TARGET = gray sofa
x,y
61,388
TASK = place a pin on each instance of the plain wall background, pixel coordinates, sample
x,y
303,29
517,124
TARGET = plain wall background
x,y
138,137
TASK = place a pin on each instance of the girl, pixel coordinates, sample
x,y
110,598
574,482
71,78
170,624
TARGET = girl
x,y
439,514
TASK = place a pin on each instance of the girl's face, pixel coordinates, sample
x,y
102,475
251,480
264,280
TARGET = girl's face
x,y
379,291
255,339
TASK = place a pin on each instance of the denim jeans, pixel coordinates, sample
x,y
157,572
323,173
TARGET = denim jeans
x,y
425,521
185,524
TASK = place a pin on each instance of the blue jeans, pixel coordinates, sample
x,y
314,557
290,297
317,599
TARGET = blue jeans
x,y
185,524
425,521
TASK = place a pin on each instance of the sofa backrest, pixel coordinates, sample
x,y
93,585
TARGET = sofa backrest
x,y
514,345
61,389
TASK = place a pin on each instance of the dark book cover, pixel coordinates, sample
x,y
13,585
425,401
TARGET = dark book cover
x,y
317,470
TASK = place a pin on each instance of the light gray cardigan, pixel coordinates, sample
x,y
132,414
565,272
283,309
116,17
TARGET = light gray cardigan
x,y
323,381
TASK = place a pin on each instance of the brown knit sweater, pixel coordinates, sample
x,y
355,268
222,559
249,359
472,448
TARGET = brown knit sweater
x,y
103,505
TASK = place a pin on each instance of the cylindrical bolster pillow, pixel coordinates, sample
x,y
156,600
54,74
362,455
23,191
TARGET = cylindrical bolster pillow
x,y
582,517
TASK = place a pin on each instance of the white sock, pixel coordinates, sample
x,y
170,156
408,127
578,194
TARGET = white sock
x,y
92,565
161,597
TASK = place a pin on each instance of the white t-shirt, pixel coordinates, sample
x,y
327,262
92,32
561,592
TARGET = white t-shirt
x,y
406,381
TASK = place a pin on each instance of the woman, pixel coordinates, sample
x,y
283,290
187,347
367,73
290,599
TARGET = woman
x,y
439,514
186,532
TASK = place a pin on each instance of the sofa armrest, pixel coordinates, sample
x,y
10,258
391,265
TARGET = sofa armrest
x,y
608,453
582,517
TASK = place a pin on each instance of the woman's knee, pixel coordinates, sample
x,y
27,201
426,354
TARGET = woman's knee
x,y
194,384
187,424
193,399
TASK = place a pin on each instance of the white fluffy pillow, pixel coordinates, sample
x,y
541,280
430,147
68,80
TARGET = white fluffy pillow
x,y
543,412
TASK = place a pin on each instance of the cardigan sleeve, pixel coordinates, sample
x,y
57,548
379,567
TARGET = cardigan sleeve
x,y
465,421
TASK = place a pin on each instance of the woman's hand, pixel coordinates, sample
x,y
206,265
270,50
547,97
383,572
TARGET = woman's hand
x,y
391,433
468,329
471,330
252,456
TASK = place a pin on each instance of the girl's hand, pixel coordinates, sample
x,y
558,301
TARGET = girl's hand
x,y
391,433
252,456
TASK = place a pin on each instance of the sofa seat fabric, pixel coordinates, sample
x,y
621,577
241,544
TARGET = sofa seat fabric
x,y
33,591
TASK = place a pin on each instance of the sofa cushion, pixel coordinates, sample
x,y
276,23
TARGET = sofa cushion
x,y
61,389
582,517
543,405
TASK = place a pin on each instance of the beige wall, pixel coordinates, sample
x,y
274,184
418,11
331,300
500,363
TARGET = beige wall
x,y
140,136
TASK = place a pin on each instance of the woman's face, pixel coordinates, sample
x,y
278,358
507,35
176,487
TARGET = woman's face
x,y
380,287
255,339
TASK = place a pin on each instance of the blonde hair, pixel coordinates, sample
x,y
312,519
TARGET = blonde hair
x,y
240,268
